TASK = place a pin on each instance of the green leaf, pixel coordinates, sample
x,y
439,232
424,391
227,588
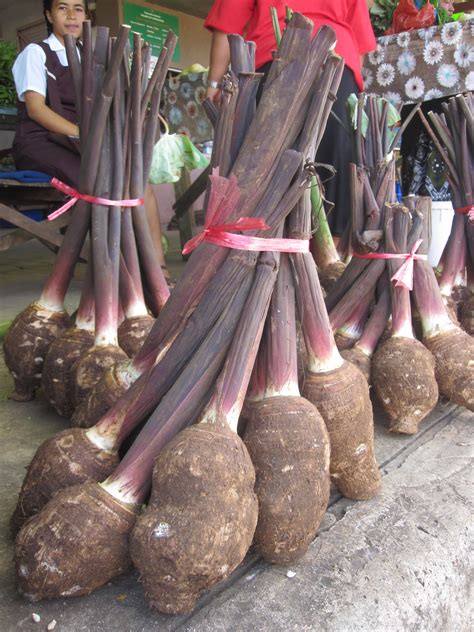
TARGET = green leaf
x,y
7,86
172,154
353,105
275,25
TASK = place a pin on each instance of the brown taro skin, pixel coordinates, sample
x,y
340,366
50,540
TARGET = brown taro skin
x,y
88,370
467,316
65,459
289,446
76,544
454,365
132,333
26,344
342,398
405,383
245,415
62,354
361,360
343,341
201,517
329,275
115,381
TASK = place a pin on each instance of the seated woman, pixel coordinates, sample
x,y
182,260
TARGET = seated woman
x,y
47,117
46,103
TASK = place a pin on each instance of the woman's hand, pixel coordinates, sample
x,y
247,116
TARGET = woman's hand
x,y
42,114
214,94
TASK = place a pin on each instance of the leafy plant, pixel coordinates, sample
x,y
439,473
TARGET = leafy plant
x,y
7,86
381,14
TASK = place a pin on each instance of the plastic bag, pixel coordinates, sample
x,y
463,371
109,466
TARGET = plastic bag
x,y
171,154
406,17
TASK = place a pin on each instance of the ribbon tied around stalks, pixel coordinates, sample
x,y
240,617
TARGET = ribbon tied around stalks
x,y
223,198
75,196
403,277
466,210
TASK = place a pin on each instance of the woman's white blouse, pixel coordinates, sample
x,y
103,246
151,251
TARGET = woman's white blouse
x,y
29,69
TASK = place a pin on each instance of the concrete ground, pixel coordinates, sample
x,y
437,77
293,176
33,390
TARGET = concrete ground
x,y
399,562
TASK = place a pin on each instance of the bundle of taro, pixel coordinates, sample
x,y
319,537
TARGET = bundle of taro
x,y
116,108
406,373
190,382
452,133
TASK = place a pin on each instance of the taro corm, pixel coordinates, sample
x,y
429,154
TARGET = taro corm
x,y
287,440
336,387
53,557
66,349
202,514
402,367
33,330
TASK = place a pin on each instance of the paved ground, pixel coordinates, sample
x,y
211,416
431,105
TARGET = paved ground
x,y
399,562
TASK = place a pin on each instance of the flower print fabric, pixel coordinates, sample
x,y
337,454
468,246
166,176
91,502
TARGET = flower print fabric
x,y
421,65
433,53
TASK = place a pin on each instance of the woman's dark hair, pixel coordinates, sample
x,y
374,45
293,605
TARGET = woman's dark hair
x,y
47,5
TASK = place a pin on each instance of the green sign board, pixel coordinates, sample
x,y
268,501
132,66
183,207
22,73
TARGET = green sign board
x,y
153,26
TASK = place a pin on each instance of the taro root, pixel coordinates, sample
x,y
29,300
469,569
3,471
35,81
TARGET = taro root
x,y
108,390
330,274
361,360
453,348
68,458
289,447
78,542
342,398
66,349
26,344
402,368
343,341
467,316
200,520
202,515
107,511
132,332
404,380
88,369
336,387
62,354
454,365
286,438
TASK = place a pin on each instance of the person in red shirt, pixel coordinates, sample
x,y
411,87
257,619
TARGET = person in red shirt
x,y
351,22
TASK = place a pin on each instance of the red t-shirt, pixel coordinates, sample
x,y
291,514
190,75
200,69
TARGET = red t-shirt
x,y
349,18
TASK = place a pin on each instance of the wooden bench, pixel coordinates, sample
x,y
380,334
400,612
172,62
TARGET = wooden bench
x,y
15,198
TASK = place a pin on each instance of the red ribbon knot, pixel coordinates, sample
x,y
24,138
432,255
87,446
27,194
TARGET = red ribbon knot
x,y
403,277
75,196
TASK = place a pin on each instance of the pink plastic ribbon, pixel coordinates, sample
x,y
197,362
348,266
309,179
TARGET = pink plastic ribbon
x,y
219,236
403,277
75,196
223,198
464,210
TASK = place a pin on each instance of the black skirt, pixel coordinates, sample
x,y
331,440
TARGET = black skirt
x,y
335,149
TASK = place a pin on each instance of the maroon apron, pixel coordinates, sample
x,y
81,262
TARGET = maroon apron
x,y
32,146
